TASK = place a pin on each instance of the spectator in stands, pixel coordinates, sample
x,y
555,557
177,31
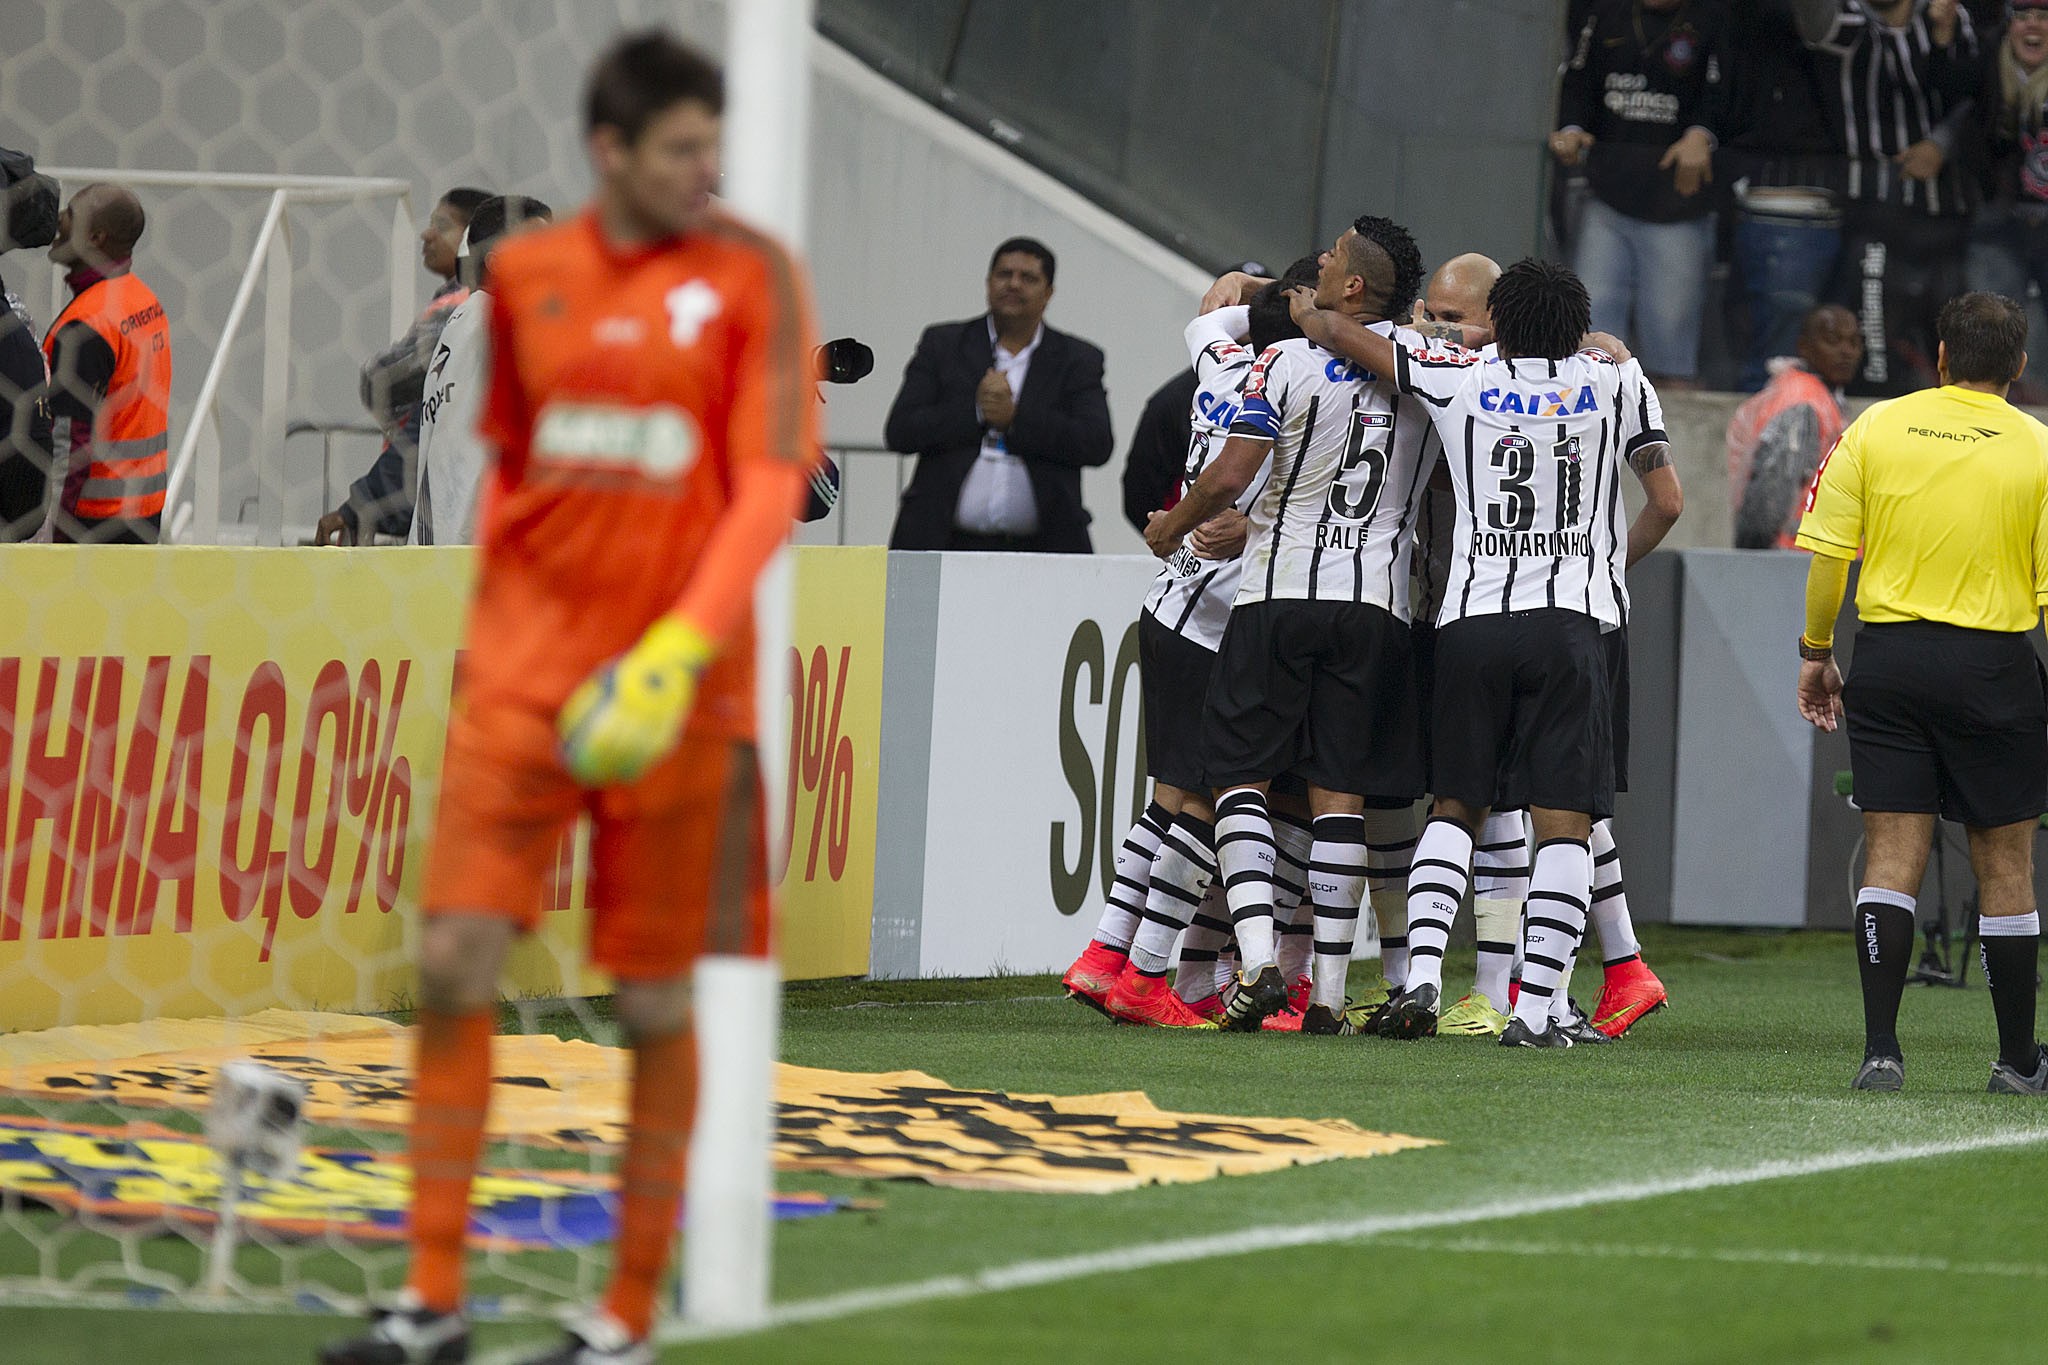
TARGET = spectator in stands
x,y
28,219
1898,77
1783,155
2009,239
1003,414
452,455
1643,104
109,392
1778,438
392,382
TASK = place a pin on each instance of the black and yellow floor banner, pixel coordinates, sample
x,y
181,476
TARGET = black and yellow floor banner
x,y
146,1174
900,1124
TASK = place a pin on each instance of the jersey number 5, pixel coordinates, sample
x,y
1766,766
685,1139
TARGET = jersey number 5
x,y
1355,492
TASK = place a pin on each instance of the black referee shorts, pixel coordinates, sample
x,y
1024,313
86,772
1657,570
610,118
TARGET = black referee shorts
x,y
1323,689
1524,712
1949,721
1174,674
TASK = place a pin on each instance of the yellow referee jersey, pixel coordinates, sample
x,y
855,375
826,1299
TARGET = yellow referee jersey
x,y
1946,493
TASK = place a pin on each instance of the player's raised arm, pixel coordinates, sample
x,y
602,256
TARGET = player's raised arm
x,y
1341,334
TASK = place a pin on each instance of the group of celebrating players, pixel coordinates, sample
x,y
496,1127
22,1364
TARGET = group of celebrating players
x,y
1397,566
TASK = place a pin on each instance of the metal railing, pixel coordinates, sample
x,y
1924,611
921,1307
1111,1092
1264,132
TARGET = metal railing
x,y
192,502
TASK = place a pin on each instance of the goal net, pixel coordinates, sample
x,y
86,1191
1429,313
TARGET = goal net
x,y
220,763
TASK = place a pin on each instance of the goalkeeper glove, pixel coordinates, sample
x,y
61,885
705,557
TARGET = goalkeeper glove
x,y
628,714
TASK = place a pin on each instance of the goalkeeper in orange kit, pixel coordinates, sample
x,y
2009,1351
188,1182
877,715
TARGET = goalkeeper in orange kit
x,y
650,404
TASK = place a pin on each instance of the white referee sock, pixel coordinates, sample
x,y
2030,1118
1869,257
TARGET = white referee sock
x,y
1336,883
1436,885
1390,838
1126,904
1560,884
1245,856
1500,883
1206,935
1610,901
1293,914
1181,875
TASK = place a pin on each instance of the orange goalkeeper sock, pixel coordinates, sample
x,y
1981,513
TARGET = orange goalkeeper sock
x,y
451,1096
651,1176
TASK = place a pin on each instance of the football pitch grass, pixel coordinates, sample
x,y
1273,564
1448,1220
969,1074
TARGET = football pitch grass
x,y
1708,1189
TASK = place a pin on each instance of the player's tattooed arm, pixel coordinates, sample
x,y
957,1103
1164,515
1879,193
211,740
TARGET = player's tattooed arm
x,y
1650,456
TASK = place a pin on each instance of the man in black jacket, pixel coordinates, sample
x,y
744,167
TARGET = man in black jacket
x,y
1003,414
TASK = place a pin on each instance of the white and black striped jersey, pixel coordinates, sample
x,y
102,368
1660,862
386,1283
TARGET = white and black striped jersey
x,y
1535,449
1887,88
1336,521
1192,596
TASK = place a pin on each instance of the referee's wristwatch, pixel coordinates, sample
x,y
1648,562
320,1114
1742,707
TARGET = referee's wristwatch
x,y
1813,653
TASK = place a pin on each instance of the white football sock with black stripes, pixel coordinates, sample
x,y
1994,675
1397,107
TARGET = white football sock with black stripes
x,y
1390,838
1560,885
1610,901
1245,857
1436,885
1336,885
1126,904
1207,934
1293,913
1500,883
1181,875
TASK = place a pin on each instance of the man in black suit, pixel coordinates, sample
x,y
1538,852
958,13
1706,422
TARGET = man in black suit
x,y
1003,414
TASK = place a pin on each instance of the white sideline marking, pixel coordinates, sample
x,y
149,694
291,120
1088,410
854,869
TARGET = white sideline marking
x,y
1248,1241
1825,1260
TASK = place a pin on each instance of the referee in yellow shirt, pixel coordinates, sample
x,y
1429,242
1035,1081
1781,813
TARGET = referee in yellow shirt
x,y
1946,493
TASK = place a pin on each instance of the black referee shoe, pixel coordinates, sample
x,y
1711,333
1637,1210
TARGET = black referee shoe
x,y
1888,1074
1411,1015
2006,1080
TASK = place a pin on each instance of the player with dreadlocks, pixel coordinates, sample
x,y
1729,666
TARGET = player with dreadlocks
x,y
1530,646
1314,674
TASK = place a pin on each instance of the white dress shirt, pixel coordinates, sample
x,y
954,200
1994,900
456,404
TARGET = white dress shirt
x,y
996,499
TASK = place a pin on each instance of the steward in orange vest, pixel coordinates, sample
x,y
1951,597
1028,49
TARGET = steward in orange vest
x,y
110,378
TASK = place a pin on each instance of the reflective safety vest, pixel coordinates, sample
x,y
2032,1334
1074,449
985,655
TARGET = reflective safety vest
x,y
128,446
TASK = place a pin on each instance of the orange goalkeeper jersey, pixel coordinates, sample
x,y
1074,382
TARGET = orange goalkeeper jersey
x,y
631,390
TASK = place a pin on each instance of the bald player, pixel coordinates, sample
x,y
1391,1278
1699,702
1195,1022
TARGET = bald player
x,y
109,355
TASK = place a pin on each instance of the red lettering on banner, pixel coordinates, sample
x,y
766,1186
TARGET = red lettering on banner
x,y
49,791
173,848
379,788
243,883
310,875
92,865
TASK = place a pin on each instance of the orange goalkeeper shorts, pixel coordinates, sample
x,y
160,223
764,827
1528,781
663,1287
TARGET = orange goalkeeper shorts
x,y
658,895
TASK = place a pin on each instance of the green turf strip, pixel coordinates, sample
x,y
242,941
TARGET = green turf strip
x,y
1752,1064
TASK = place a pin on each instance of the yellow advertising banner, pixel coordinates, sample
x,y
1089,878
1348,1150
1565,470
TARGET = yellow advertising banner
x,y
218,771
824,861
